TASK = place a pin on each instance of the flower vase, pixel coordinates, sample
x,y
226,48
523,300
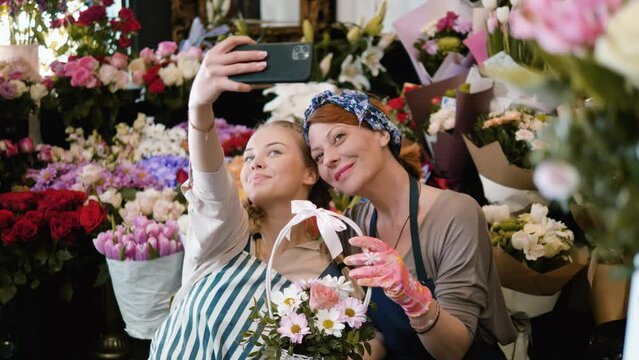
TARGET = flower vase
x,y
631,348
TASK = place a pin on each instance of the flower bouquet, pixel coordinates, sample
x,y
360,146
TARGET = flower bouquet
x,y
165,76
317,318
41,235
20,93
88,92
15,159
501,145
442,37
145,265
399,113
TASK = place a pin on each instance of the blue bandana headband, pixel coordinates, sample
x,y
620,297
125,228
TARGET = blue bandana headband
x,y
357,103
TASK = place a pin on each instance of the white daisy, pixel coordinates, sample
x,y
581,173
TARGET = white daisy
x,y
328,322
289,300
353,312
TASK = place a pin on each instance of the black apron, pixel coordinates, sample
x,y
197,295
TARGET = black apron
x,y
400,339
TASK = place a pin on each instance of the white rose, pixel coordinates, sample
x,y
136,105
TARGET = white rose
x,y
130,211
496,213
521,240
534,230
113,197
177,210
534,252
120,82
37,92
524,135
538,212
171,75
556,180
489,4
503,13
168,194
189,67
429,29
146,200
515,3
162,210
108,73
619,48
20,87
90,174
137,65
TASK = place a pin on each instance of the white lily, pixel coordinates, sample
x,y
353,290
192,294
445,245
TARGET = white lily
x,y
353,73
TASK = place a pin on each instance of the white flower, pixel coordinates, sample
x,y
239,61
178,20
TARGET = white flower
x,y
188,66
537,145
556,180
293,99
353,73
524,135
344,287
503,13
37,92
162,210
325,64
328,322
171,75
294,326
515,3
553,245
489,4
618,50
442,120
352,311
137,65
496,213
20,87
534,252
289,300
522,240
429,29
386,40
113,197
107,73
90,174
146,200
130,211
538,212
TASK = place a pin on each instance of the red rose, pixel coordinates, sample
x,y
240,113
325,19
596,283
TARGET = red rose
x,y
60,227
92,215
8,237
401,117
25,230
91,15
157,86
124,42
181,176
436,100
151,74
396,103
61,200
6,219
34,216
18,201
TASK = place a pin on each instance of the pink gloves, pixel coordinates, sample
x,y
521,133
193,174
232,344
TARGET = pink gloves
x,y
383,267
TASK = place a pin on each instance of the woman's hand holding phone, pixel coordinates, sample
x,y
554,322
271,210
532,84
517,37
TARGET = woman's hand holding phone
x,y
219,64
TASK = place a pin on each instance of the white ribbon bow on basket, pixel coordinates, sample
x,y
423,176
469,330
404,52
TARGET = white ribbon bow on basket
x,y
328,222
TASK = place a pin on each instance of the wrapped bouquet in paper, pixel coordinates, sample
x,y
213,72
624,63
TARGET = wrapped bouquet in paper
x,y
500,145
314,318
609,288
433,35
145,264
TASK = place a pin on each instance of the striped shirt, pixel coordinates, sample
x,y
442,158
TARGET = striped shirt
x,y
210,319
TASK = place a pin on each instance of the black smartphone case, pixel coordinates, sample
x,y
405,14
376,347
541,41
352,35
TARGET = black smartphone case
x,y
285,63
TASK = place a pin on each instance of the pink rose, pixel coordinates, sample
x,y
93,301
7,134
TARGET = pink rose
x,y
88,62
136,78
93,82
26,145
119,60
323,297
166,48
80,77
58,68
147,54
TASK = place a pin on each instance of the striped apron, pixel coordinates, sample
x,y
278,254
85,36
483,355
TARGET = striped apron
x,y
210,319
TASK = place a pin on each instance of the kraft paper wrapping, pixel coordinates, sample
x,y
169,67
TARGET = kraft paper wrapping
x,y
608,291
515,276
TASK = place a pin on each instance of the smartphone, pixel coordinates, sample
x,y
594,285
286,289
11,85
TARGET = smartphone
x,y
285,63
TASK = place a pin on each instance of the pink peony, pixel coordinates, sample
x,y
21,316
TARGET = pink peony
x,y
323,297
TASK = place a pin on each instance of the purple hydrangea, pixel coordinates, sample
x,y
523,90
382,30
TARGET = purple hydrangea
x,y
164,168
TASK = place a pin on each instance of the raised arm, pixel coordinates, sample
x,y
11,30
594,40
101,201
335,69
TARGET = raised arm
x,y
211,81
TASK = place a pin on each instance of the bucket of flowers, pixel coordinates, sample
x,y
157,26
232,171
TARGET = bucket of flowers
x,y
316,318
145,265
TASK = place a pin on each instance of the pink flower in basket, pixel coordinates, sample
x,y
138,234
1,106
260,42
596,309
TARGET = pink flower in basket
x,y
323,297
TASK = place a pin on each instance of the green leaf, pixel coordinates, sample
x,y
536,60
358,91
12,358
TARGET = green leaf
x,y
34,284
66,291
7,293
63,255
19,278
103,275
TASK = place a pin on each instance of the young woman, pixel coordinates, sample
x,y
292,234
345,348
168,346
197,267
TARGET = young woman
x,y
429,256
222,273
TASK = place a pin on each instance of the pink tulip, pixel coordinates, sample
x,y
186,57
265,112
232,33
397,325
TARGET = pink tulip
x,y
165,245
169,228
139,235
108,249
153,243
140,222
117,253
142,252
153,229
130,250
100,241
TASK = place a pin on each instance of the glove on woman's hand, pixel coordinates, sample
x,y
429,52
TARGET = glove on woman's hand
x,y
381,266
